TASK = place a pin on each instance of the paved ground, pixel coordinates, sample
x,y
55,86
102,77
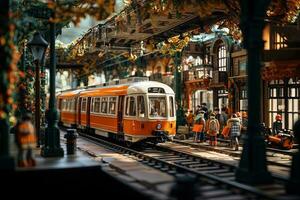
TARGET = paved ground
x,y
230,156
144,178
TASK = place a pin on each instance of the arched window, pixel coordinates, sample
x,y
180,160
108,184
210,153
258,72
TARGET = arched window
x,y
222,58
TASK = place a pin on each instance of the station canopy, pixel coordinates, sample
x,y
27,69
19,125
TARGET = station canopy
x,y
149,26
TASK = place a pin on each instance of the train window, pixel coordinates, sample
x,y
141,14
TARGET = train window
x,y
65,105
112,105
73,105
127,106
104,105
62,105
171,100
157,106
83,105
96,104
69,104
141,106
130,106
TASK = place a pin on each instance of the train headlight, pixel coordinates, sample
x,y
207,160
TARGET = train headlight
x,y
158,126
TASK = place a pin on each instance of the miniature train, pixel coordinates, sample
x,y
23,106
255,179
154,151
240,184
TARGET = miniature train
x,y
132,111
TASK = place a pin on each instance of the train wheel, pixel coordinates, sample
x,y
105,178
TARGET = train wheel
x,y
128,144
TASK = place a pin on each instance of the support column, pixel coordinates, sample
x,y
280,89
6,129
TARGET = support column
x,y
6,161
178,90
253,166
52,146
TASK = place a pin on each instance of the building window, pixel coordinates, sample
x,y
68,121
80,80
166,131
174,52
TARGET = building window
x,y
243,99
222,58
222,99
284,99
280,41
242,67
202,96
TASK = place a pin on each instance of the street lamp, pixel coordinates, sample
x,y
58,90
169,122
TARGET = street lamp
x,y
38,47
52,146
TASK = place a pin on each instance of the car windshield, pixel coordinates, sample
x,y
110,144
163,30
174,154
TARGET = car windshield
x,y
157,106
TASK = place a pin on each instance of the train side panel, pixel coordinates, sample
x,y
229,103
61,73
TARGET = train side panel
x,y
145,128
68,118
104,123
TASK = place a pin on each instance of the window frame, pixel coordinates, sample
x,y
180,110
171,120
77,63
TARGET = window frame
x,y
171,106
282,91
101,105
222,58
109,105
82,100
143,97
166,105
93,102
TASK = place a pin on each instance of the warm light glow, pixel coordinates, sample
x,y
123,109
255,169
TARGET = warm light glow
x,y
266,37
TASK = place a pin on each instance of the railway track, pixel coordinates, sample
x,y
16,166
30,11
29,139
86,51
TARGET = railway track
x,y
276,157
281,151
215,180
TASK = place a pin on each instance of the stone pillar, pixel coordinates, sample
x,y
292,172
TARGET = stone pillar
x,y
253,166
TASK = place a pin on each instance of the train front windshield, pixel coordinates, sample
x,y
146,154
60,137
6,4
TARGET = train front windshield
x,y
157,107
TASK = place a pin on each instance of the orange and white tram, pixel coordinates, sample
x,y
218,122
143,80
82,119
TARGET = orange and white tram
x,y
131,112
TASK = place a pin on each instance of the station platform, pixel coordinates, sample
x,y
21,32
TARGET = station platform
x,y
71,175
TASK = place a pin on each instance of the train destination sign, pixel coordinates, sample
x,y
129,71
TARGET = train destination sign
x,y
156,90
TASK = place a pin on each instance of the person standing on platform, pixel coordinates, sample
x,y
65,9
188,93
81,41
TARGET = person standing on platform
x,y
244,122
277,125
25,139
212,129
198,109
205,109
235,131
199,127
190,120
223,118
238,114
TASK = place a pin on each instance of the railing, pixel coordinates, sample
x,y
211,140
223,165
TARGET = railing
x,y
198,73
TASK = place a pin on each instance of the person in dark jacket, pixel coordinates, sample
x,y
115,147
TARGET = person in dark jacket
x,y
205,109
199,127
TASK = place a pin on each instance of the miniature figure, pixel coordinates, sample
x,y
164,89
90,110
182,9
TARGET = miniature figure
x,y
26,140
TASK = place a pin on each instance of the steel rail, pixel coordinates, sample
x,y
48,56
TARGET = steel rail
x,y
244,189
235,153
285,152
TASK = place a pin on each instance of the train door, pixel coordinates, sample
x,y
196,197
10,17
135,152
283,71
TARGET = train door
x,y
120,114
88,111
79,111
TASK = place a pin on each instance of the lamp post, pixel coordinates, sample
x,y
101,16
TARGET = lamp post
x,y
38,47
52,146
